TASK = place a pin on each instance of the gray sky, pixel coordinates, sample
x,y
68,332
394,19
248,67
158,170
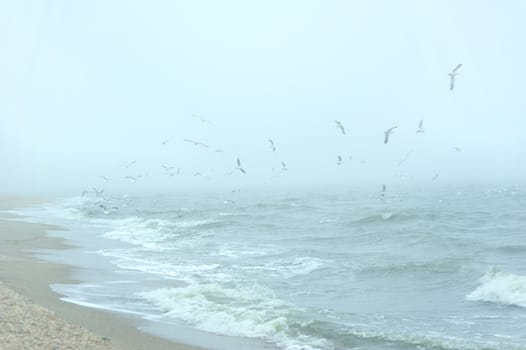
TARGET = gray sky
x,y
88,87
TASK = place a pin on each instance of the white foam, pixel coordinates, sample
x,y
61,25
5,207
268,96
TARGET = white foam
x,y
291,267
500,287
386,215
428,340
147,233
244,311
241,311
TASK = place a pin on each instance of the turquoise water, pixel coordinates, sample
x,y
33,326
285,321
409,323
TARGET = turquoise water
x,y
418,269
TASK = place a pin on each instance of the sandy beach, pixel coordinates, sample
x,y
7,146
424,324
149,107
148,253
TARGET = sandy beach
x,y
32,316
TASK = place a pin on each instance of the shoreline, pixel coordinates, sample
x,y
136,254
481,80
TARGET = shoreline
x,y
26,298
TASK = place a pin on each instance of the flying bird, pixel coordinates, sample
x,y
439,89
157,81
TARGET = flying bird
x,y
284,166
435,177
340,126
389,132
272,146
130,164
132,178
164,142
403,160
458,149
383,190
452,76
203,120
98,192
239,167
105,178
340,161
167,168
196,143
420,129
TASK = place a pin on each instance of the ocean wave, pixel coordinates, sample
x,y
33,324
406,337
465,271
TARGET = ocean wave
x,y
130,259
500,287
435,266
291,267
381,217
430,340
149,233
240,310
512,249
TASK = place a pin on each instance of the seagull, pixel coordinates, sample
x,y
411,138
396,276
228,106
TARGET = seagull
x,y
239,166
284,166
167,168
383,190
84,193
388,132
130,164
435,177
203,120
340,126
272,145
97,192
420,129
105,178
173,173
203,175
452,76
340,161
196,143
164,142
132,178
405,158
458,149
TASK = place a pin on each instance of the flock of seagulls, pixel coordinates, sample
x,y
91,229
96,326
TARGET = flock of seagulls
x,y
172,170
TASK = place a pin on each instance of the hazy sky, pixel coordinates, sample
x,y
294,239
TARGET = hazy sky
x,y
86,87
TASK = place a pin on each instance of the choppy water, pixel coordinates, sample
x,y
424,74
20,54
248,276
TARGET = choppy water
x,y
441,269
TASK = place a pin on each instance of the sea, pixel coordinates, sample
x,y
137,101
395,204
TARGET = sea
x,y
428,268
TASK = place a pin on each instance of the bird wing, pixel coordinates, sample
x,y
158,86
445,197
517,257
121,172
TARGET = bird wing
x,y
420,124
386,137
238,162
340,126
457,67
452,82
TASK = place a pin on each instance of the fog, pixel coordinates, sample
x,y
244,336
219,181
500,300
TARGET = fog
x,y
88,87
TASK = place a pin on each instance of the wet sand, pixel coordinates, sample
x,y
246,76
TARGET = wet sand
x,y
33,317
